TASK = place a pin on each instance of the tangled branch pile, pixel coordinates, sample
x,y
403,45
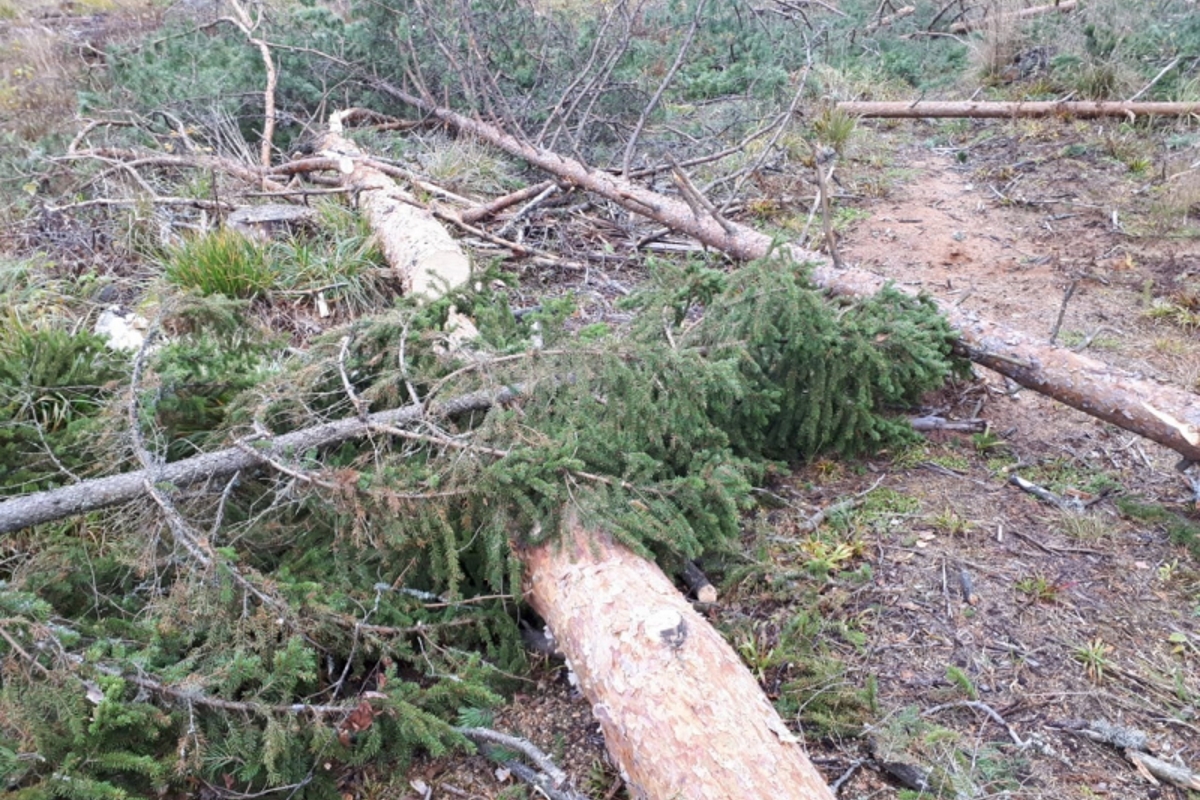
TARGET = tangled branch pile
x,y
333,622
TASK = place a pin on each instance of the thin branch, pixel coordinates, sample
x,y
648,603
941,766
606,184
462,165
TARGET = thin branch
x,y
242,21
33,509
631,145
527,748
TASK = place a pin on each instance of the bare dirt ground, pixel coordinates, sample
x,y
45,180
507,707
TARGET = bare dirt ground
x,y
979,629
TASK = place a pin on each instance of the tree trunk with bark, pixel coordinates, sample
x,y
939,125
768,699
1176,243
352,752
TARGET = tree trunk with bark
x,y
1162,413
429,261
681,714
982,110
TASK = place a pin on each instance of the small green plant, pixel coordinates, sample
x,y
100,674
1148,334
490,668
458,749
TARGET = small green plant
x,y
823,557
988,442
1094,658
963,681
223,262
757,653
834,127
1039,588
1087,526
951,523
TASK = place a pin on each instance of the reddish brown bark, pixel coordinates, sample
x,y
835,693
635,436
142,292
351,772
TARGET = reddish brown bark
x,y
681,714
965,108
1162,413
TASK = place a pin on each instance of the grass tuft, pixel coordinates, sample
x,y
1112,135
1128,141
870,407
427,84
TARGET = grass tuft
x,y
223,262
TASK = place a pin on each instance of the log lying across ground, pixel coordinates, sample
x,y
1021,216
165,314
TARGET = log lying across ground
x,y
1159,412
1000,110
966,26
681,714
423,253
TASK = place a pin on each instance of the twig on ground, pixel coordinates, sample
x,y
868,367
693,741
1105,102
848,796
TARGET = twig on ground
x,y
1153,768
1045,494
476,213
1062,310
986,709
487,736
527,209
1087,342
936,423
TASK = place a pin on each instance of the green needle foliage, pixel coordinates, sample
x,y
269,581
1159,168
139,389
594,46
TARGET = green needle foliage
x,y
52,385
328,624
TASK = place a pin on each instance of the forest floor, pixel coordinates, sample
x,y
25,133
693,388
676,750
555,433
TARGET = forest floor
x,y
948,585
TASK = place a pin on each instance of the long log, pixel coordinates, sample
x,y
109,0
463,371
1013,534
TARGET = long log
x,y
1162,413
681,714
26,510
966,26
1001,110
423,253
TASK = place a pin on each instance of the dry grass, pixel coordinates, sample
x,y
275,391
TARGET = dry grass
x,y
992,54
47,54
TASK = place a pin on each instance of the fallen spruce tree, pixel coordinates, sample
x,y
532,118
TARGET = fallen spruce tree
x,y
308,602
1159,412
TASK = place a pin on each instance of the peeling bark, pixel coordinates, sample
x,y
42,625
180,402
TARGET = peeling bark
x,y
429,260
1162,413
681,714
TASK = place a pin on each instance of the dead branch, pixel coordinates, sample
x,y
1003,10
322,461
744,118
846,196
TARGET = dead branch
x,y
1045,495
1162,413
666,81
33,509
1155,768
137,158
527,209
991,713
966,26
543,761
935,423
698,583
820,159
472,215
921,109
241,20
883,22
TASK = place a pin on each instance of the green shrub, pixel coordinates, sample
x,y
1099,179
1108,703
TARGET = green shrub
x,y
53,386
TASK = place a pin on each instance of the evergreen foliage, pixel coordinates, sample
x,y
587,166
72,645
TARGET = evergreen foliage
x,y
155,672
53,383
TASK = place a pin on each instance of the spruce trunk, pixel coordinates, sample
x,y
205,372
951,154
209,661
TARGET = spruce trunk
x,y
682,716
1162,413
428,260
